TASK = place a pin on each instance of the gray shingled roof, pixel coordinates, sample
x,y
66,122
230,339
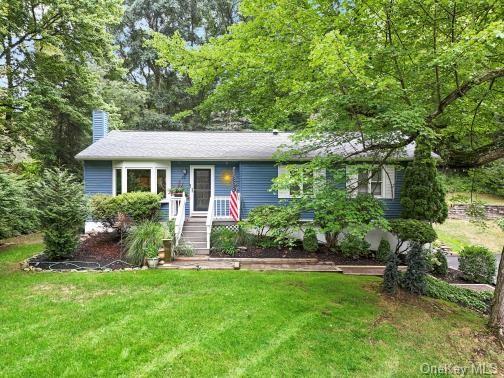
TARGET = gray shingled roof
x,y
194,145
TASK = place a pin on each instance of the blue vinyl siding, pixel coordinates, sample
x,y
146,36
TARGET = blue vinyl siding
x,y
164,211
255,184
97,177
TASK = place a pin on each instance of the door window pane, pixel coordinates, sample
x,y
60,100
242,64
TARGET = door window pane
x,y
202,189
118,175
139,180
161,182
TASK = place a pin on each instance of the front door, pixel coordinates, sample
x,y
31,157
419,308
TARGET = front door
x,y
202,188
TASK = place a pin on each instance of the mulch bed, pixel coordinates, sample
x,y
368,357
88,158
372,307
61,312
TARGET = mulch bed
x,y
95,251
323,254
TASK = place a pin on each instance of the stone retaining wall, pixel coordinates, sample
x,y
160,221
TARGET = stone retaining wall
x,y
459,211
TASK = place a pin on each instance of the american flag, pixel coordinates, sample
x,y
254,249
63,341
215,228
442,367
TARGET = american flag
x,y
233,202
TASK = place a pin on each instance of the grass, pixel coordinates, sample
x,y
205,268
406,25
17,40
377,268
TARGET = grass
x,y
488,199
457,233
224,323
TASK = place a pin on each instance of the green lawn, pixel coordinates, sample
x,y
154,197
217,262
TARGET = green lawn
x,y
457,233
216,323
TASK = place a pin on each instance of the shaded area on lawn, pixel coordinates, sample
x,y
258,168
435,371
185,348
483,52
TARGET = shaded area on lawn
x,y
225,323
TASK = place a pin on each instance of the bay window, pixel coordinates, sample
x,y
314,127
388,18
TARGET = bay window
x,y
151,177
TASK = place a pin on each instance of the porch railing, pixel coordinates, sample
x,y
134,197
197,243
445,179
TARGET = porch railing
x,y
177,211
209,220
222,207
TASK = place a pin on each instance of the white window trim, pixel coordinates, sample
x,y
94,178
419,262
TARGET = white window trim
x,y
153,166
191,183
382,185
353,181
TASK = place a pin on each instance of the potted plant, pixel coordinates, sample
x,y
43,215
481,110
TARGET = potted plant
x,y
178,191
151,255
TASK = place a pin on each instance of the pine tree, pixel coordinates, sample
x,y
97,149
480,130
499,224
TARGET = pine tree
x,y
391,274
414,278
422,195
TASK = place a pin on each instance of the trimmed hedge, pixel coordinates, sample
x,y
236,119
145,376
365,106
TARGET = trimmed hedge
x,y
477,264
138,206
479,301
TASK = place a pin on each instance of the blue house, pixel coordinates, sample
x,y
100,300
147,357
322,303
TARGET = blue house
x,y
205,164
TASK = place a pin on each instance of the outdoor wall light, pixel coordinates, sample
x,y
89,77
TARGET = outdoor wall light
x,y
184,172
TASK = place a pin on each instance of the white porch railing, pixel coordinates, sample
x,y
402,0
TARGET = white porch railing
x,y
222,207
177,211
209,221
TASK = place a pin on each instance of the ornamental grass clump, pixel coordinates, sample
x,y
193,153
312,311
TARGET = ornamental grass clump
x,y
143,238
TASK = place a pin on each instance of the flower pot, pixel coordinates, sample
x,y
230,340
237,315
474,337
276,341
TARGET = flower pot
x,y
152,262
178,194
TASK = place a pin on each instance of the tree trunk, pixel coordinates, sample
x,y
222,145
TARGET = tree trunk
x,y
497,310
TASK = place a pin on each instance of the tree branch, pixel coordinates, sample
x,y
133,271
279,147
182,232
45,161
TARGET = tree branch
x,y
462,91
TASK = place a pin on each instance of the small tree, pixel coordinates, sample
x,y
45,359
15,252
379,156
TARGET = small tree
x,y
391,275
62,211
412,230
422,195
310,242
414,278
336,211
383,250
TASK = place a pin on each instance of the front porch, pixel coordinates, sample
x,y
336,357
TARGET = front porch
x,y
196,229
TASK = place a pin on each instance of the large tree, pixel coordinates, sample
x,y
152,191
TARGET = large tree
x,y
385,71
165,89
50,51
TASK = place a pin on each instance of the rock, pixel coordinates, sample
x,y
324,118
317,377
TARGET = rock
x,y
242,248
128,269
145,267
38,269
26,269
73,270
107,270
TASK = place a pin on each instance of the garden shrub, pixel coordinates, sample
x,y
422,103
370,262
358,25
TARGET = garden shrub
x,y
353,246
383,251
17,212
245,238
391,275
412,230
138,206
62,211
439,263
276,222
477,264
183,249
310,242
224,240
414,278
479,301
140,239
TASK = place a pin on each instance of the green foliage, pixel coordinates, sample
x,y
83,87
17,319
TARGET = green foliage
x,y
335,211
54,54
370,67
414,278
143,239
169,230
383,252
183,249
274,223
500,223
151,252
354,246
246,239
224,240
478,301
310,242
412,230
477,264
487,179
391,275
422,194
62,211
138,206
439,263
17,213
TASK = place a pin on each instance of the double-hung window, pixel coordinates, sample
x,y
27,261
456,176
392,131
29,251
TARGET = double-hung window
x,y
378,182
307,179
